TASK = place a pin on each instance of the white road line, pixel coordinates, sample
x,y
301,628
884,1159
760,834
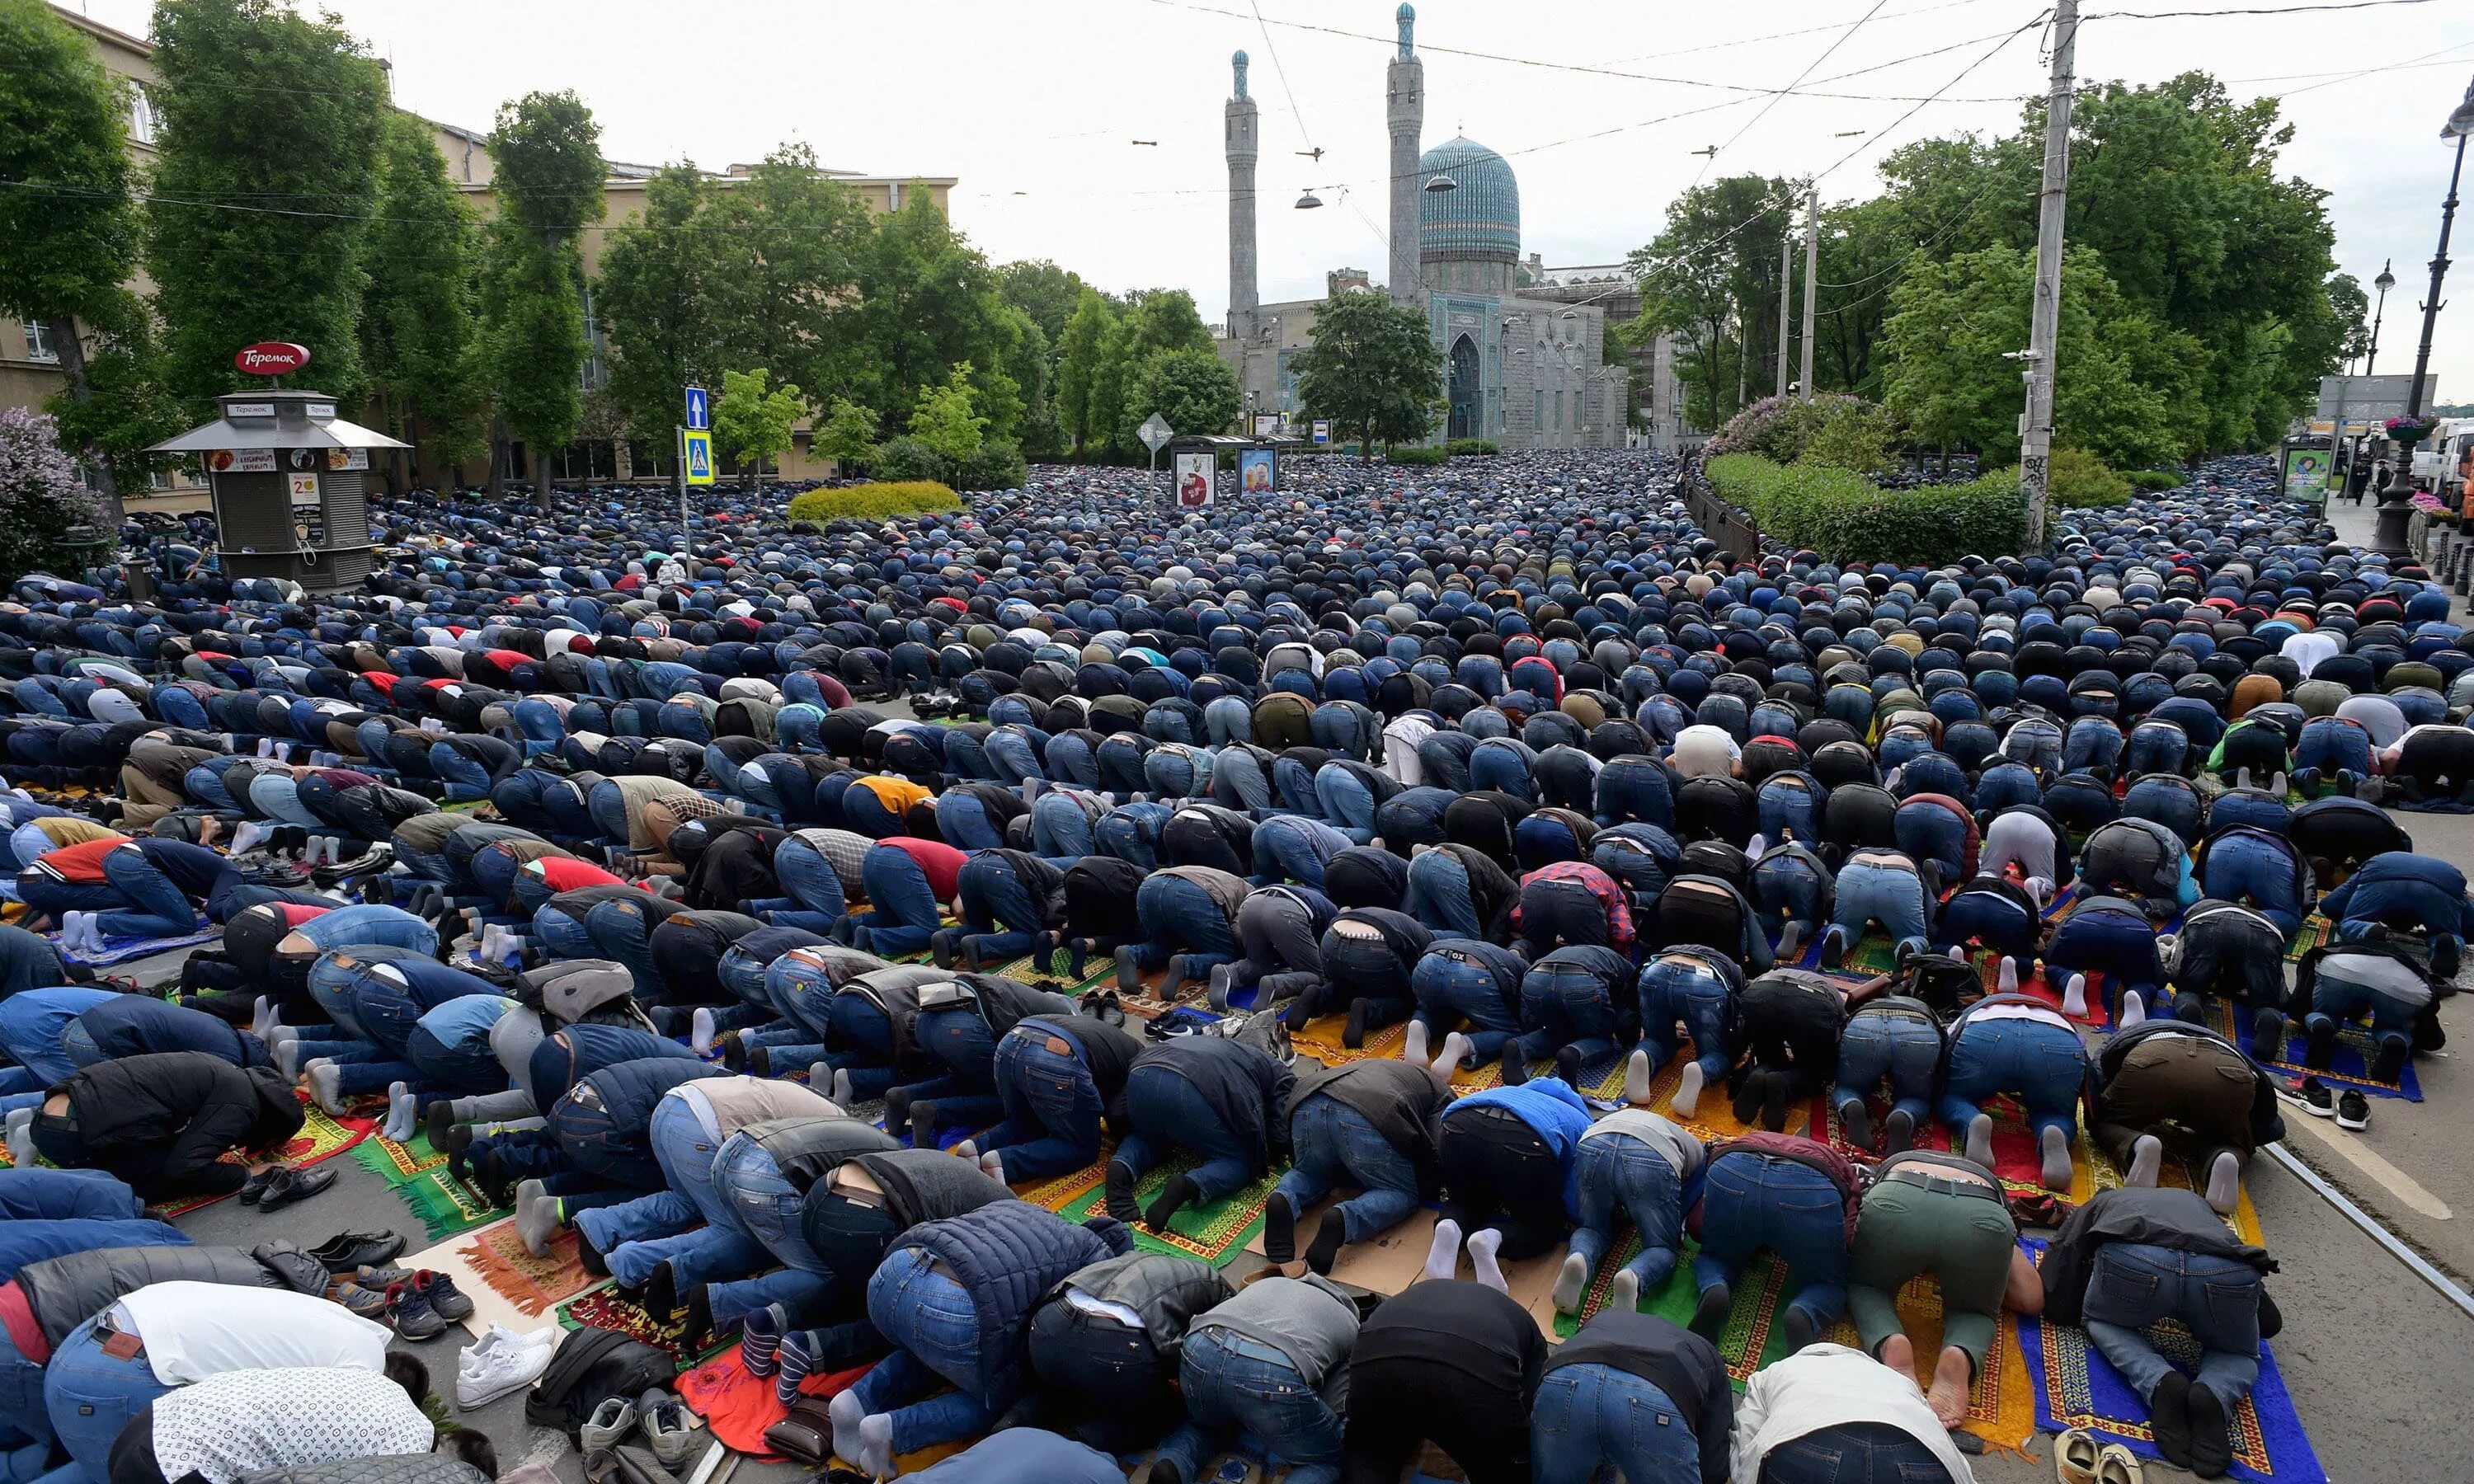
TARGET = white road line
x,y
2396,1181
2372,1228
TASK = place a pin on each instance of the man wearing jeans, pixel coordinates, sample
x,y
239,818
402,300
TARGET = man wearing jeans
x,y
1215,1096
1894,1038
1371,1124
1008,898
1059,1078
1271,1365
1633,1391
1878,886
1632,1162
1792,1195
2019,1045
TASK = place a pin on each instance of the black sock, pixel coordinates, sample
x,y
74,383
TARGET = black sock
x,y
1324,1250
1180,1191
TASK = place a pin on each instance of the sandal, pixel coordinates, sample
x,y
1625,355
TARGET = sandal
x,y
2119,1465
2074,1457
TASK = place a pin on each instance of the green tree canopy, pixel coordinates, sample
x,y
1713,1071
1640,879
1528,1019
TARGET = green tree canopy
x,y
944,418
1083,349
787,247
752,423
1192,391
847,435
1047,293
1373,369
928,301
418,337
259,104
548,186
657,296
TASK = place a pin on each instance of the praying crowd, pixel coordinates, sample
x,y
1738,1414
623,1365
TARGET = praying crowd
x,y
896,955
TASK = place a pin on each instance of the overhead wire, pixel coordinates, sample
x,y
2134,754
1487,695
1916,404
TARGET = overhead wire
x,y
1827,53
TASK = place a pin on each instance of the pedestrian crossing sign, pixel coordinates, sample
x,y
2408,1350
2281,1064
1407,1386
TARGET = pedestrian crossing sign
x,y
696,455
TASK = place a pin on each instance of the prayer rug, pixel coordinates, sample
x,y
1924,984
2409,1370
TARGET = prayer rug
x,y
2350,1066
603,1307
2075,1387
419,1176
738,1407
498,1258
120,948
1216,1232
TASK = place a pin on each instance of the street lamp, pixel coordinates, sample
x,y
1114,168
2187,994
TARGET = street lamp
x,y
2394,511
2386,281
1309,201
1441,183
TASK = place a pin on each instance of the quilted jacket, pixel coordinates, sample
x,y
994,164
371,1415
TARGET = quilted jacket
x,y
392,1469
63,1293
1004,1256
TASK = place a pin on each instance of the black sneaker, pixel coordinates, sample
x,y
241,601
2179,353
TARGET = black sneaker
x,y
2317,1100
414,1319
2353,1111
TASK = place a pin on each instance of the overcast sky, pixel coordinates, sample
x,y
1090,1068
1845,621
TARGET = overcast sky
x,y
1036,108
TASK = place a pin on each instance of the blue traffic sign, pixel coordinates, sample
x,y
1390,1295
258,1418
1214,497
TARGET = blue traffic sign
x,y
696,408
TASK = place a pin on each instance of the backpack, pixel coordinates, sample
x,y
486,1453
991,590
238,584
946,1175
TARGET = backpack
x,y
592,1365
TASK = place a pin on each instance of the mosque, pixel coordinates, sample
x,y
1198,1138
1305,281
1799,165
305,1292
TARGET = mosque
x,y
1524,372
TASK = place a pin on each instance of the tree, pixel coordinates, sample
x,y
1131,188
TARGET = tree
x,y
41,495
847,435
1082,358
1712,276
1159,319
259,104
753,424
943,417
417,333
928,301
1373,369
657,296
787,246
547,150
68,241
1192,390
1047,293
123,407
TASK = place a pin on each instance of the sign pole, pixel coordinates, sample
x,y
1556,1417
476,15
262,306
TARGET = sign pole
x,y
679,476
2335,446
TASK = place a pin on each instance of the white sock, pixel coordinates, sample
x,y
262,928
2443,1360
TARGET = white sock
x,y
700,1033
2133,1009
1413,1043
1688,1092
2075,997
1444,1258
1638,1079
2007,983
1481,1251
247,837
1453,1056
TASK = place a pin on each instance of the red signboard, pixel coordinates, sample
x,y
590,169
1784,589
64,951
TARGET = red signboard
x,y
270,358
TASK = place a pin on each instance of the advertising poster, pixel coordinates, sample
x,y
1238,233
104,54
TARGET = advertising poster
x,y
2306,474
1257,471
1267,424
1194,479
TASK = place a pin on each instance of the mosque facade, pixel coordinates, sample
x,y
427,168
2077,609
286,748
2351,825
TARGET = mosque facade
x,y
1526,372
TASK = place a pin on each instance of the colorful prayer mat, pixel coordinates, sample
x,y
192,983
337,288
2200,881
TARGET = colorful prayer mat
x,y
419,1176
1216,1232
2075,1387
738,1407
535,1285
603,1307
2350,1066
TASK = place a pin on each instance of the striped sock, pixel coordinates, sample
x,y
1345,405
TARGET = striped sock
x,y
760,1338
796,1359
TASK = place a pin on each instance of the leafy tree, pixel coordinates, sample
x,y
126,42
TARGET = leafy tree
x,y
41,495
1047,293
753,424
928,300
1162,320
1712,276
124,408
260,103
657,296
548,186
944,419
847,435
1082,354
1373,369
418,337
67,247
786,247
1192,391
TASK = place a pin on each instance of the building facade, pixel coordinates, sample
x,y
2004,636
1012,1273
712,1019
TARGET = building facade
x,y
1523,369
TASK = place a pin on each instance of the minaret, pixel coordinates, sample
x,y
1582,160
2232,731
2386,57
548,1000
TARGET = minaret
x,y
1243,126
1405,109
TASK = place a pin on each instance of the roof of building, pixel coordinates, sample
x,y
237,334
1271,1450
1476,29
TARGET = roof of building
x,y
1480,216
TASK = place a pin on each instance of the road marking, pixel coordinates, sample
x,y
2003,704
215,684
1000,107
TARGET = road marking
x,y
2396,1181
2371,1229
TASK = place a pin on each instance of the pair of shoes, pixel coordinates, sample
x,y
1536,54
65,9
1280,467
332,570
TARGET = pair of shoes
x,y
423,1304
2351,1110
347,1252
608,1425
670,1430
500,1363
361,1303
289,1187
254,1188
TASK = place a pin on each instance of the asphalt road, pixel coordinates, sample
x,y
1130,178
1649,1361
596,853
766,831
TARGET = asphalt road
x,y
2380,1365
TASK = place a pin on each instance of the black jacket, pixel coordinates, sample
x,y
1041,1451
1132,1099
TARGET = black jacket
x,y
1245,1088
2157,1216
184,1108
1402,1100
62,1293
1679,1363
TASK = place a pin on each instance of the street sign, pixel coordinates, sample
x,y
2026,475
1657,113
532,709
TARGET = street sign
x,y
2372,398
1156,432
696,455
697,412
1322,431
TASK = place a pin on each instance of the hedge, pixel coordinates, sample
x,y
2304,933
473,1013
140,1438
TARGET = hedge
x,y
1847,518
1418,456
2081,481
997,465
1460,447
873,502
2152,481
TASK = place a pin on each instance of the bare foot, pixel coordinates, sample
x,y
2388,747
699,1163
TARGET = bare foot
x,y
1952,1377
1899,1353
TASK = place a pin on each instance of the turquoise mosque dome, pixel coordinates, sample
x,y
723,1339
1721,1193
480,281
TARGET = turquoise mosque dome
x,y
1480,218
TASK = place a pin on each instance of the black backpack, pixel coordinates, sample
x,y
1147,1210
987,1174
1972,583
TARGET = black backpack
x,y
592,1366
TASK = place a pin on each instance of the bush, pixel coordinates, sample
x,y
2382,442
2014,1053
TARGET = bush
x,y
1416,456
2152,481
873,502
1847,518
1838,430
1466,447
997,465
908,460
2081,481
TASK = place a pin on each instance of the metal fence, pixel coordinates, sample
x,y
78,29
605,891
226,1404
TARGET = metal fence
x,y
1732,529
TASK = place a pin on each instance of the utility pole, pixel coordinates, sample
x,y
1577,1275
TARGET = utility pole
x,y
1811,275
1787,290
2036,427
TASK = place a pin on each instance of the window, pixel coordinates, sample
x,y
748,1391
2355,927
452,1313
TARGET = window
x,y
141,115
39,342
1537,415
1558,409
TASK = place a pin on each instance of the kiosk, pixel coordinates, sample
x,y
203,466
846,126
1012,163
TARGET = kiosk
x,y
290,482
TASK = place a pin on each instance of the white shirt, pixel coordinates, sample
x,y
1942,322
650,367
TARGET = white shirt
x,y
1825,1386
193,1331
244,1421
2306,650
1705,752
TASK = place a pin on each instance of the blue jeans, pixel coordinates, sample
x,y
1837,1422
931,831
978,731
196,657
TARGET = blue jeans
x,y
2249,869
21,1400
812,886
1751,1201
998,915
156,907
1244,1391
959,1038
2118,944
1991,918
1616,1172
1060,828
2044,1064
1566,1004
1334,1144
1899,1047
2216,1298
1052,1106
765,1205
39,1194
91,1396
1454,985
903,909
639,1236
1180,916
1438,895
1787,888
1677,990
1873,893
2338,1001
1853,1453
1169,1112
936,1326
1586,1416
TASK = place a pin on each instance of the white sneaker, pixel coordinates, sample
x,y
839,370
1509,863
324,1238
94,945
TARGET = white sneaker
x,y
500,1363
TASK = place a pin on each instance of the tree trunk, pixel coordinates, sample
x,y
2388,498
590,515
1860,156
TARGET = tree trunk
x,y
399,465
499,451
107,487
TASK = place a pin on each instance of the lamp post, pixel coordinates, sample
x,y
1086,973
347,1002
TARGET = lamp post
x,y
2389,538
2386,281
